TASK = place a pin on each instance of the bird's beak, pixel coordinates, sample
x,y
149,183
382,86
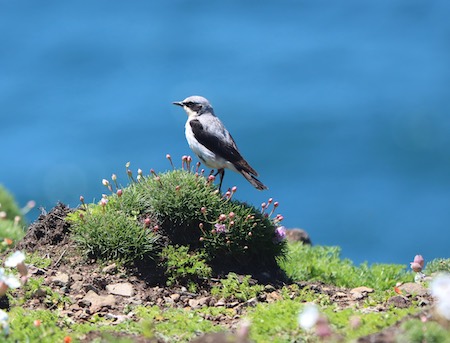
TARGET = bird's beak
x,y
178,103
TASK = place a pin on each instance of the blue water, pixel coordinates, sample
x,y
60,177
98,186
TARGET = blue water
x,y
342,106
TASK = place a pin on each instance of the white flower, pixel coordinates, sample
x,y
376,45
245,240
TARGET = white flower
x,y
11,281
15,259
440,289
308,318
4,322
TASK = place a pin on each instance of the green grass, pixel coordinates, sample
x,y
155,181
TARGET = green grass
x,y
236,288
175,325
322,263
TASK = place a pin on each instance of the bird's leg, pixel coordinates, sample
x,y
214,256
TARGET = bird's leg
x,y
222,173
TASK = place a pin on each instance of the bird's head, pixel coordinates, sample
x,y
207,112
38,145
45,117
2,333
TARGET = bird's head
x,y
195,105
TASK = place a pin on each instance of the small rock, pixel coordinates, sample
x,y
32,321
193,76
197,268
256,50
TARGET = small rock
x,y
99,301
197,303
252,302
412,288
360,292
61,279
220,303
232,304
175,297
269,288
76,286
340,294
273,296
35,271
124,289
75,307
76,277
40,293
84,303
111,269
399,301
298,235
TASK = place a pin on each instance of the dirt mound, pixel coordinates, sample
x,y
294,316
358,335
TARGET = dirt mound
x,y
49,230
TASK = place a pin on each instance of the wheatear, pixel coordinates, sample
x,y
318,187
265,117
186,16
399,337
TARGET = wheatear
x,y
211,141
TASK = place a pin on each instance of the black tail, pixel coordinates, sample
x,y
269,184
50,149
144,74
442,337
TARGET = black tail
x,y
253,180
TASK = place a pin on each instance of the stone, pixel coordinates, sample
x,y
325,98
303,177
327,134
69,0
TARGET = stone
x,y
412,288
61,279
360,292
273,296
220,303
252,302
124,289
175,297
77,277
110,269
99,301
198,303
298,235
77,286
399,301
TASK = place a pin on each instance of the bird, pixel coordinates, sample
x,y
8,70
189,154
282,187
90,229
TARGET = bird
x,y
212,143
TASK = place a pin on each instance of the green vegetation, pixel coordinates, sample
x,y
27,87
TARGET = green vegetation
x,y
184,267
9,206
112,235
321,263
438,265
417,331
11,220
177,208
237,288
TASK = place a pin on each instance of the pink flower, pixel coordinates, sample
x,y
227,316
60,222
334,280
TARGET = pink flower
x,y
280,234
418,263
220,228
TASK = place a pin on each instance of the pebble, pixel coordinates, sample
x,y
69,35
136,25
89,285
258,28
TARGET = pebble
x,y
124,289
360,292
61,279
99,301
175,297
110,269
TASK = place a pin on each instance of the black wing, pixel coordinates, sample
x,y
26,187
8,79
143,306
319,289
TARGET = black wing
x,y
211,142
226,150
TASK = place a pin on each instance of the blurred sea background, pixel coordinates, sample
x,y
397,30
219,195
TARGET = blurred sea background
x,y
342,106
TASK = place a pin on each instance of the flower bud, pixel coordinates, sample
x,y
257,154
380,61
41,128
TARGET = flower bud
x,y
105,182
417,264
119,193
114,177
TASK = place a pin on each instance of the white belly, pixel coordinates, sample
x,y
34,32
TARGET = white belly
x,y
208,158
